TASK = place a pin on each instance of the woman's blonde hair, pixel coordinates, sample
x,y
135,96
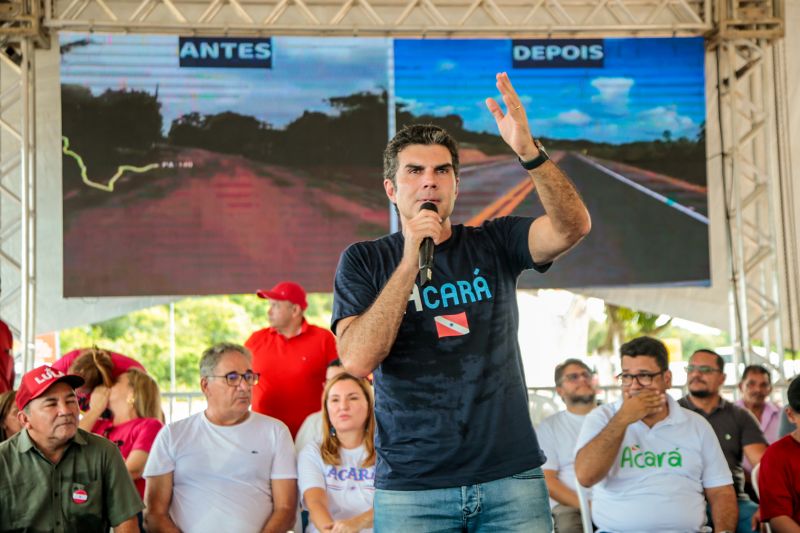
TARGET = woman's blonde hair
x,y
329,448
146,396
95,366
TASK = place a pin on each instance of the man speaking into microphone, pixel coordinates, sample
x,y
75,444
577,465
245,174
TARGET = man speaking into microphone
x,y
455,447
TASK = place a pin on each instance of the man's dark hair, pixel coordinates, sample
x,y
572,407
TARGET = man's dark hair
x,y
426,134
794,394
647,346
720,360
561,367
335,363
755,369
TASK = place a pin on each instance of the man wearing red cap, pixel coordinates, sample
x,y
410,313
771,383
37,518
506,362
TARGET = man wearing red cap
x,y
291,356
56,477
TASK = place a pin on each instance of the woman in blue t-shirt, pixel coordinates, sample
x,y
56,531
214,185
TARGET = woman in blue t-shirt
x,y
336,476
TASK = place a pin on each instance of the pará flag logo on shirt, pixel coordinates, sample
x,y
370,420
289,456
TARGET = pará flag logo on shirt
x,y
452,325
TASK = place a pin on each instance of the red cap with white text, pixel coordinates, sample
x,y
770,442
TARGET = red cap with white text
x,y
38,380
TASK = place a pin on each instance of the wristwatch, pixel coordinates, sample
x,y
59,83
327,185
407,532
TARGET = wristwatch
x,y
537,161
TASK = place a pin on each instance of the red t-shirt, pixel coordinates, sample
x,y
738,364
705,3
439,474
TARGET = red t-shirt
x,y
292,372
6,359
122,363
779,480
136,434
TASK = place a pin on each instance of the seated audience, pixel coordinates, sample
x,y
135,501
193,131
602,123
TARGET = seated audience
x,y
651,463
225,469
336,477
99,368
9,423
135,405
55,476
557,436
311,430
779,478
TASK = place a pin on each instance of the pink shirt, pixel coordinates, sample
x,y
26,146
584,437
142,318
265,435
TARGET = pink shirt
x,y
136,434
770,420
769,424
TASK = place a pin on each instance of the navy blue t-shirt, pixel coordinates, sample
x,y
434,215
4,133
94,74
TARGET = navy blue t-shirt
x,y
451,401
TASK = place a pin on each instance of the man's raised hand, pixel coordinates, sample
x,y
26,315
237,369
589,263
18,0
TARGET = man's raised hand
x,y
513,124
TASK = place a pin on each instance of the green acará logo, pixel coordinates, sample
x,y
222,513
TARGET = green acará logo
x,y
634,457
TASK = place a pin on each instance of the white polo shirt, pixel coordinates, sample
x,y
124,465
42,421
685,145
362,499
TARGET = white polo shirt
x,y
222,475
557,435
657,480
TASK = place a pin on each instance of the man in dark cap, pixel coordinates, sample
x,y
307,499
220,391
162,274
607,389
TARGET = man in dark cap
x,y
56,477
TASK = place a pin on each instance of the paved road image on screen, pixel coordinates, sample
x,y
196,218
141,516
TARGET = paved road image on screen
x,y
642,220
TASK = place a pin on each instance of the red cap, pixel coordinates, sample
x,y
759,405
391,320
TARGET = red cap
x,y
38,380
286,290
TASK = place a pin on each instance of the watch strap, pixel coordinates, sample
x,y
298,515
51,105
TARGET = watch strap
x,y
536,162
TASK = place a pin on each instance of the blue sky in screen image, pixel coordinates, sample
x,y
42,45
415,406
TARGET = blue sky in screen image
x,y
305,72
646,86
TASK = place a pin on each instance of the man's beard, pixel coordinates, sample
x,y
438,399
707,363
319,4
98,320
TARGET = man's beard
x,y
583,399
756,401
700,393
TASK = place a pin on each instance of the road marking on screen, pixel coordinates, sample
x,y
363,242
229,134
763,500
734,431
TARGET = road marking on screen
x,y
509,201
121,169
652,194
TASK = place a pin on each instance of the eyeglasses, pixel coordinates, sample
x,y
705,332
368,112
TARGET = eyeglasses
x,y
234,378
703,369
575,376
644,379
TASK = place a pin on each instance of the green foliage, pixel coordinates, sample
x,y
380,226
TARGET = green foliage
x,y
691,342
680,158
199,323
628,323
355,133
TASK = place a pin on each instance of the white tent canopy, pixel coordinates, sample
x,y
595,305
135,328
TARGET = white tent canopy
x,y
705,305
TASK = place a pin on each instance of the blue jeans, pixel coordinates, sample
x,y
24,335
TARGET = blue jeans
x,y
747,508
514,504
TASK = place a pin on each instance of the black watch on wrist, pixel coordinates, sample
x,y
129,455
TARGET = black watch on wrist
x,y
537,161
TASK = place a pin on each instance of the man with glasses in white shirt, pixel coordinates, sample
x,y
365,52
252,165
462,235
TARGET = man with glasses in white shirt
x,y
557,436
227,468
652,464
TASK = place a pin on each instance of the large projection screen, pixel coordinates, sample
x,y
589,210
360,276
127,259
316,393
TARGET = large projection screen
x,y
208,166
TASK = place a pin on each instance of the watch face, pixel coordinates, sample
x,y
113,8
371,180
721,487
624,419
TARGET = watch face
x,y
540,146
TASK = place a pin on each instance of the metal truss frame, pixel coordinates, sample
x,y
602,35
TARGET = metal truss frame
x,y
742,31
429,18
18,192
752,179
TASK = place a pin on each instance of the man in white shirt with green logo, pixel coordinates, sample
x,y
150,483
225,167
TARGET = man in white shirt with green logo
x,y
651,463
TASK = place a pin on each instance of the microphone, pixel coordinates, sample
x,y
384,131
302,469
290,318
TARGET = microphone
x,y
426,251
